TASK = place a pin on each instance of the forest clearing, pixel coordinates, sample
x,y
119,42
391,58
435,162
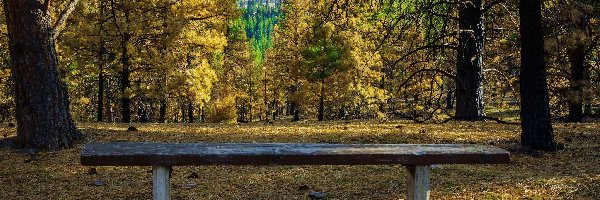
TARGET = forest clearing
x,y
571,173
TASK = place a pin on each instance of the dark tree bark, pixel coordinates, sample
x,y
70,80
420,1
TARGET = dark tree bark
x,y
321,114
42,104
577,59
100,109
450,99
294,105
202,115
125,82
536,123
469,77
162,111
190,112
101,53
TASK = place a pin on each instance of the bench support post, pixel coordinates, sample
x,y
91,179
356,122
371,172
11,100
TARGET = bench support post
x,y
418,182
161,185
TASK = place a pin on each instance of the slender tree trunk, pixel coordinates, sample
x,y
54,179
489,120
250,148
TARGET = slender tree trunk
x,y
450,99
125,82
536,122
183,112
202,115
100,108
42,104
577,59
190,111
295,108
321,116
469,77
162,111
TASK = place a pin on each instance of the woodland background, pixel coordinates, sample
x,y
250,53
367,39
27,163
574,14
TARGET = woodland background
x,y
241,61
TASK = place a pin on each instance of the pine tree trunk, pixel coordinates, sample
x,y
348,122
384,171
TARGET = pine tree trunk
x,y
321,116
536,123
190,111
162,111
577,59
125,82
42,104
100,108
469,77
295,108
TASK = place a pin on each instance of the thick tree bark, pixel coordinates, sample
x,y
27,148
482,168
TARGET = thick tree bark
x,y
42,104
577,59
536,123
469,77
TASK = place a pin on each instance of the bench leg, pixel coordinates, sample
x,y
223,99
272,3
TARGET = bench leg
x,y
161,185
418,182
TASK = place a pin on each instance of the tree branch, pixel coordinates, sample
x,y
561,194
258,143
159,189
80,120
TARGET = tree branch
x,y
490,5
445,73
46,6
62,18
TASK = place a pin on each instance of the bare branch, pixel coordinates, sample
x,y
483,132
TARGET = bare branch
x,y
62,18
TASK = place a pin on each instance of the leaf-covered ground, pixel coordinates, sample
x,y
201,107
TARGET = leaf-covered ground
x,y
573,173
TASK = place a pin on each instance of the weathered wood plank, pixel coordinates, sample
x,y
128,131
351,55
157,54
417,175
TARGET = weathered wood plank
x,y
178,154
161,182
418,182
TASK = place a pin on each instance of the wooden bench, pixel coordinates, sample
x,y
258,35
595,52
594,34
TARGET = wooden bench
x,y
416,157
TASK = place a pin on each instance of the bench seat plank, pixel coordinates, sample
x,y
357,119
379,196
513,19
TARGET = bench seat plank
x,y
180,154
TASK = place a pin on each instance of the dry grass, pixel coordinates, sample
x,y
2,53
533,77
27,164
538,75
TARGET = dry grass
x,y
572,173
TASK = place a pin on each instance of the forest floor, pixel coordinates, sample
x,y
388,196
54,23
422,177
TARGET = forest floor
x,y
572,173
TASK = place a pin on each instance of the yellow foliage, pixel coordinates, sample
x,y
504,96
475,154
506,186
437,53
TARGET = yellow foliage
x,y
222,110
201,80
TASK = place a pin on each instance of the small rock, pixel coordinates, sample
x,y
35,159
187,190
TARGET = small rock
x,y
317,195
99,183
193,175
132,128
32,151
11,125
303,187
92,171
189,185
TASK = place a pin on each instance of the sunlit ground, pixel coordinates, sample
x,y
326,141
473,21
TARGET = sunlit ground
x,y
572,173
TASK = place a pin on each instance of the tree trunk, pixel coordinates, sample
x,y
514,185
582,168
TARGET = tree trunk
x,y
183,112
125,83
577,59
162,111
322,101
294,105
42,104
202,115
190,111
450,99
536,123
100,108
469,77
